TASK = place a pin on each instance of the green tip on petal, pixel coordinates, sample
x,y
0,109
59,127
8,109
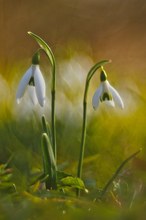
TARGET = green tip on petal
x,y
103,75
36,58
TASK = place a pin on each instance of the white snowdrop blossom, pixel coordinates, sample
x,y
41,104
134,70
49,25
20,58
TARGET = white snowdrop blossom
x,y
105,92
33,81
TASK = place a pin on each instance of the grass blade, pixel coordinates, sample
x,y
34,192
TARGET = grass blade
x,y
117,172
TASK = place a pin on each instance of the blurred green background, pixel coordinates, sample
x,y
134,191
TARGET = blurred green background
x,y
80,33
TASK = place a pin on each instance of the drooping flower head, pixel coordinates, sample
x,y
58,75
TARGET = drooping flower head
x,y
33,81
106,93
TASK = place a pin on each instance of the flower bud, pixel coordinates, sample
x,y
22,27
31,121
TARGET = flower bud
x,y
103,76
36,58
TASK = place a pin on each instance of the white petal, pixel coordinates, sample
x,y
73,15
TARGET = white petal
x,y
32,94
39,85
96,97
110,103
23,83
117,98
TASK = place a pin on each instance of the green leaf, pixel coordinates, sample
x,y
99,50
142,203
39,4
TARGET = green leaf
x,y
46,127
73,182
44,46
49,162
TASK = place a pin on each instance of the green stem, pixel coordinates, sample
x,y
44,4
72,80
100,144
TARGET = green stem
x,y
53,93
117,172
84,123
83,135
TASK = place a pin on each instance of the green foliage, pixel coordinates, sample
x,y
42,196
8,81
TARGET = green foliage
x,y
6,184
49,162
46,128
72,182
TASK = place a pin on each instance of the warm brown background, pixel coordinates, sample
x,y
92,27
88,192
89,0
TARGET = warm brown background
x,y
112,29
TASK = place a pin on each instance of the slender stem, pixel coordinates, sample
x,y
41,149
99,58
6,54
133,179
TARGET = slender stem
x,y
83,135
82,145
117,172
53,93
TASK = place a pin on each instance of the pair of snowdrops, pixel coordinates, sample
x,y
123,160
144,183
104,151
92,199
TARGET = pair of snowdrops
x,y
33,81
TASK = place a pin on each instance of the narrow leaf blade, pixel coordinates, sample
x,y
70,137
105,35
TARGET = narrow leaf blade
x,y
49,162
46,128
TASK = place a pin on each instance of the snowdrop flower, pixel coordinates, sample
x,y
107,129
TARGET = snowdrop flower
x,y
34,82
105,92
